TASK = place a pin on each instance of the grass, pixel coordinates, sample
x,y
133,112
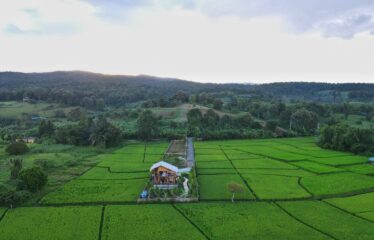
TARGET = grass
x,y
147,222
275,187
215,187
85,191
51,223
247,221
337,183
330,220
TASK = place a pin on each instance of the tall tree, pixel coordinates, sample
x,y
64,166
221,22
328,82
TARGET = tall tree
x,y
15,165
147,125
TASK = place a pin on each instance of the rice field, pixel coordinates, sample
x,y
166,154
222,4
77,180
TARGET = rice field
x,y
292,189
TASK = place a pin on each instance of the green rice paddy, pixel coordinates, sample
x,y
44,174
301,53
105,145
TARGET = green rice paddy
x,y
292,190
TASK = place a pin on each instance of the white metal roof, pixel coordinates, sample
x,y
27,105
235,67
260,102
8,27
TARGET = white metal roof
x,y
170,167
371,159
165,165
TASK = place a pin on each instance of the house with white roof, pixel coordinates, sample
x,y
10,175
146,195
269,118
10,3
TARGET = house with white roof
x,y
165,174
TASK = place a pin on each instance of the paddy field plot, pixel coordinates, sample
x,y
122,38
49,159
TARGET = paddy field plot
x,y
276,172
361,205
275,187
52,223
247,221
330,220
262,163
147,222
337,183
214,164
340,160
317,167
101,173
86,191
210,158
214,187
365,168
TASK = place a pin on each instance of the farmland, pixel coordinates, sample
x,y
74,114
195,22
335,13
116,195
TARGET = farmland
x,y
291,188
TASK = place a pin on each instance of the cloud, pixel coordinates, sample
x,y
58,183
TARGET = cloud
x,y
44,17
331,18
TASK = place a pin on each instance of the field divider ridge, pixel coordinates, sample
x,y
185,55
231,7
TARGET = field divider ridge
x,y
3,215
190,221
101,222
348,212
304,223
240,175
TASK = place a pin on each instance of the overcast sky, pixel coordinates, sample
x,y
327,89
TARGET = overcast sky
x,y
201,40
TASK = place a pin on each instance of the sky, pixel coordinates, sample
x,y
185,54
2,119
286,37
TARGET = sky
x,y
247,41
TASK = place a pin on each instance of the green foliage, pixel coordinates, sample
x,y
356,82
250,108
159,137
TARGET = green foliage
x,y
304,121
147,125
17,148
89,132
33,179
46,128
12,198
15,165
345,138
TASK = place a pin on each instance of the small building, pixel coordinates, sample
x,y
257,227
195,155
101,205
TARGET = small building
x,y
26,140
371,160
165,174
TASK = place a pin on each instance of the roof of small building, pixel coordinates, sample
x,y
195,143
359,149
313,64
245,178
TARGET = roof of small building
x,y
371,159
170,167
165,165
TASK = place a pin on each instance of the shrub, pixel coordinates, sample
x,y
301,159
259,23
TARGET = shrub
x,y
33,179
14,198
17,148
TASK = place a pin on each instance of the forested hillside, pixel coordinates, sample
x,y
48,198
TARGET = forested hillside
x,y
84,88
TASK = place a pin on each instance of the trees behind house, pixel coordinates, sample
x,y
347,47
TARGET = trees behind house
x,y
147,125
